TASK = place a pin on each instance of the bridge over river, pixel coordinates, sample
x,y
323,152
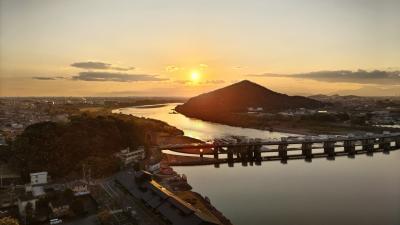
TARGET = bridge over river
x,y
256,150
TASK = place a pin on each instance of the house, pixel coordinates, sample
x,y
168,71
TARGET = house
x,y
128,156
38,178
79,187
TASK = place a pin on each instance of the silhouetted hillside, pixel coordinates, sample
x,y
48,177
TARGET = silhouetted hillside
x,y
88,139
239,97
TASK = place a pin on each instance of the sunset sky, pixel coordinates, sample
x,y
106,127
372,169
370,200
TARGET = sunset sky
x,y
184,48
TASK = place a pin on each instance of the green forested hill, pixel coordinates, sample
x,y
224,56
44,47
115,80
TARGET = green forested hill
x,y
88,139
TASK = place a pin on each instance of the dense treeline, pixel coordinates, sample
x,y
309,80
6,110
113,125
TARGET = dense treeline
x,y
88,139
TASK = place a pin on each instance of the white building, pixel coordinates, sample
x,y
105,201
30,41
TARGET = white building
x,y
154,167
38,178
127,156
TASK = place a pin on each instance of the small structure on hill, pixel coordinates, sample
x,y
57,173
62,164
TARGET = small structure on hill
x,y
79,187
39,178
128,156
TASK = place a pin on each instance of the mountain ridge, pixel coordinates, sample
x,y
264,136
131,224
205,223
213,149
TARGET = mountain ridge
x,y
240,96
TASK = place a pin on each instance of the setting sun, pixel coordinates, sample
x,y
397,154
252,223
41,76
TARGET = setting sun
x,y
195,76
166,102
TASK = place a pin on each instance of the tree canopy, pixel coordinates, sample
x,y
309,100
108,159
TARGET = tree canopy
x,y
88,140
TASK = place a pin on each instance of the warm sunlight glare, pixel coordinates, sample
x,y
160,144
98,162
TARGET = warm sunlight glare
x,y
195,76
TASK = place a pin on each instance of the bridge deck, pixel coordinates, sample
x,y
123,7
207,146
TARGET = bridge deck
x,y
216,162
376,138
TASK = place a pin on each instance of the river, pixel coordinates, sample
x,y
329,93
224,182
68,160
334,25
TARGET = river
x,y
360,191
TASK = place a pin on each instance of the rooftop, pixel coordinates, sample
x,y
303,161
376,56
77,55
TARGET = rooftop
x,y
177,211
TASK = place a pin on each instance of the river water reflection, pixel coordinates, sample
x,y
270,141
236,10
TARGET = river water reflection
x,y
197,128
360,191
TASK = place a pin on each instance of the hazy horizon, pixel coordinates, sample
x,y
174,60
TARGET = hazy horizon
x,y
184,48
122,95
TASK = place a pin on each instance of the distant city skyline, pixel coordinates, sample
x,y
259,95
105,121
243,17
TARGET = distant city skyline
x,y
184,48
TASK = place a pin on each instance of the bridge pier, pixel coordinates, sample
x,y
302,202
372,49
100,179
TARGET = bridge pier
x,y
216,152
306,150
257,155
242,153
384,144
397,142
230,156
237,153
250,153
329,148
368,145
253,153
349,147
282,152
258,159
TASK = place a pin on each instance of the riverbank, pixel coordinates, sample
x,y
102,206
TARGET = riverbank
x,y
152,102
204,204
295,125
177,184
